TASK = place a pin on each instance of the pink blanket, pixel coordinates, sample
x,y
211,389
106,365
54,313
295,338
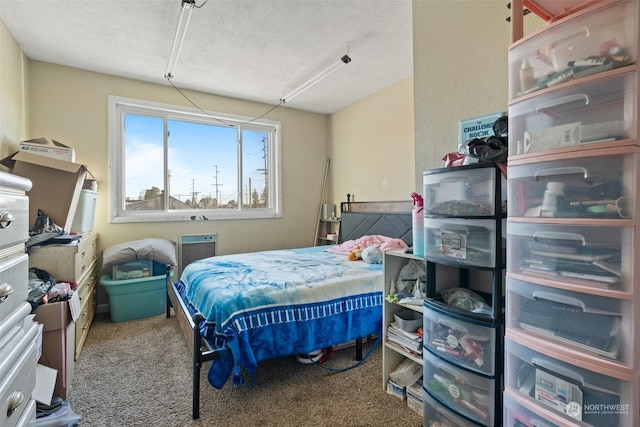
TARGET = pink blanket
x,y
385,244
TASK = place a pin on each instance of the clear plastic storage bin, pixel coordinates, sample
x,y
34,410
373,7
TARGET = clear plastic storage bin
x,y
596,185
460,191
464,343
599,258
582,114
578,394
583,45
436,414
593,324
517,415
462,391
460,241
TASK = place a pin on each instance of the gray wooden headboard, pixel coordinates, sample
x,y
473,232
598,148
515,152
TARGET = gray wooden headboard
x,y
391,219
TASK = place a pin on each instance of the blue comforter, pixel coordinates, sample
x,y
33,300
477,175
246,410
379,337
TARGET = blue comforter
x,y
274,303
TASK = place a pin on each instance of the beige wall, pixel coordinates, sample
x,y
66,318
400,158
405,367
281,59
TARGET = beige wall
x,y
381,144
372,147
13,89
456,76
460,68
70,105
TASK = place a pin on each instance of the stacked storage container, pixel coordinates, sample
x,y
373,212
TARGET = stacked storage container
x,y
463,345
571,352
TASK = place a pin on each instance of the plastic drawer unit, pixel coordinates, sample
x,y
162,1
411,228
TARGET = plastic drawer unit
x,y
463,191
436,414
581,46
597,185
576,393
596,257
587,323
461,342
518,415
462,391
460,241
593,111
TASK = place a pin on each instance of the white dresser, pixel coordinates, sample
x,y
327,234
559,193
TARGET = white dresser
x,y
19,334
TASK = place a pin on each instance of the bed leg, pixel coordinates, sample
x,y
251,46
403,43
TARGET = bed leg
x,y
197,365
167,284
358,348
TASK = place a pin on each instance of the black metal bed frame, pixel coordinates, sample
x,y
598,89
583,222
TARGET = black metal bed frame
x,y
374,221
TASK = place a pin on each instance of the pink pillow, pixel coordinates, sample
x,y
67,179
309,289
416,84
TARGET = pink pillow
x,y
385,243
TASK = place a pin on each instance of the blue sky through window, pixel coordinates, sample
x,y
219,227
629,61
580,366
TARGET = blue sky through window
x,y
200,156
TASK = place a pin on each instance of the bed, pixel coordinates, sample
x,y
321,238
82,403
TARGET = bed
x,y
238,310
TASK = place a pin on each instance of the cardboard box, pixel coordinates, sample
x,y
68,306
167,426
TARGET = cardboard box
x,y
49,148
58,343
415,404
406,373
396,390
415,400
56,189
416,390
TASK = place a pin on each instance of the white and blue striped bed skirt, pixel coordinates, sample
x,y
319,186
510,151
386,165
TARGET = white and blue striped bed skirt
x,y
268,304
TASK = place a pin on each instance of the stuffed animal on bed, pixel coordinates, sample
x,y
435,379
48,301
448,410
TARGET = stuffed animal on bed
x,y
372,255
355,254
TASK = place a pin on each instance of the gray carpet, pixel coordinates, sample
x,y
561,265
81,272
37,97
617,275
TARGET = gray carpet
x,y
138,373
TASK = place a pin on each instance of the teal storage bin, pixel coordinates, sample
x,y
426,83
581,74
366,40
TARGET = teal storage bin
x,y
135,298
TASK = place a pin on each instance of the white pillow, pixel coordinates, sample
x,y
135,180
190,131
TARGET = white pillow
x,y
155,249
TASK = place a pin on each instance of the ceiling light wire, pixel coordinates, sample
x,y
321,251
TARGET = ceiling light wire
x,y
218,119
196,105
344,60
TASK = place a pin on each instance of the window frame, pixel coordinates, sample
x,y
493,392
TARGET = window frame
x,y
119,106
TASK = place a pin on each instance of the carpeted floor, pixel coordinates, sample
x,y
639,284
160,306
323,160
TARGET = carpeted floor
x,y
138,373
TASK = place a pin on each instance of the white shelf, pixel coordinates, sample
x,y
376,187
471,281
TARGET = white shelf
x,y
394,261
325,227
417,359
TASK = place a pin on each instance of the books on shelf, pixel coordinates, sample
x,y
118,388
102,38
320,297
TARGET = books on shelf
x,y
402,349
410,342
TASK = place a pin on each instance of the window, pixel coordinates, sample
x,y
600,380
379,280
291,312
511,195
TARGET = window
x,y
170,163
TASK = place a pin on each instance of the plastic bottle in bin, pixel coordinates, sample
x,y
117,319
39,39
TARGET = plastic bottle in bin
x,y
417,224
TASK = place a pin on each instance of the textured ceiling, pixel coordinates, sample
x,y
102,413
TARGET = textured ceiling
x,y
257,50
